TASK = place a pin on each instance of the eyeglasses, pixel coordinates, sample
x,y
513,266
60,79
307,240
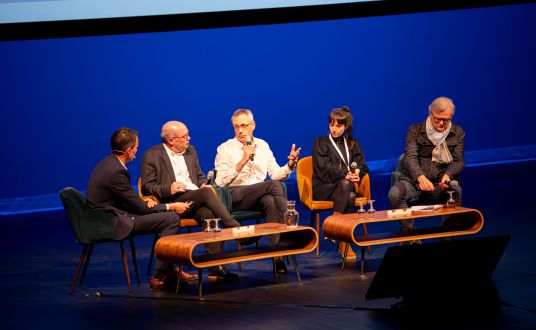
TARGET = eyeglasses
x,y
243,126
184,137
441,120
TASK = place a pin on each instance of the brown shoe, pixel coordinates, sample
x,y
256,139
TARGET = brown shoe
x,y
188,277
157,284
184,276
169,281
351,254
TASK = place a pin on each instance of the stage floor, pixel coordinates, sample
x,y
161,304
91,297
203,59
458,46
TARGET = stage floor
x,y
38,257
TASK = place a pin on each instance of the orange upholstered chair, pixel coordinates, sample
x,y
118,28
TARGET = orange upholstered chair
x,y
304,177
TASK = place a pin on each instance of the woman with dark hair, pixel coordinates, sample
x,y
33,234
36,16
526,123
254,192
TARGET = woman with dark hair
x,y
338,164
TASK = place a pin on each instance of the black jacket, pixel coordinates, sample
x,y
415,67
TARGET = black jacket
x,y
157,172
418,154
109,188
329,169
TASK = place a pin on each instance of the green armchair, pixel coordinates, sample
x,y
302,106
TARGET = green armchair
x,y
92,227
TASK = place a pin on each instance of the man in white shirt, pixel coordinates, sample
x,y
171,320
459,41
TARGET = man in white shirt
x,y
171,172
242,164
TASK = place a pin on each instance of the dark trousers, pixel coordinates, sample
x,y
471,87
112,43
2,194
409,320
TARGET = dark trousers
x,y
403,191
267,196
161,223
206,205
343,197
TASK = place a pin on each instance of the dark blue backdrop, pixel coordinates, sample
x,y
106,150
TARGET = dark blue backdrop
x,y
61,99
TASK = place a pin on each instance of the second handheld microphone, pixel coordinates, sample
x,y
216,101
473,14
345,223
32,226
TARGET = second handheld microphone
x,y
248,143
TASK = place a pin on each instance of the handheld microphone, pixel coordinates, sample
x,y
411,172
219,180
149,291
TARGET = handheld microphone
x,y
210,176
248,143
452,183
447,184
354,168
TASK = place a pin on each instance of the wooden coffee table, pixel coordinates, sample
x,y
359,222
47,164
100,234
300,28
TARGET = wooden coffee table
x,y
344,227
180,248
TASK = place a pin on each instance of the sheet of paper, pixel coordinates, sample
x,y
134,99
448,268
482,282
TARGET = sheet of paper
x,y
426,207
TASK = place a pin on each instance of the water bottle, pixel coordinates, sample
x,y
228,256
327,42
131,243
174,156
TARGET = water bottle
x,y
292,216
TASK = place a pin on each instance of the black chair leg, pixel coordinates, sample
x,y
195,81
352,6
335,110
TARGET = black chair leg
x,y
86,263
135,260
318,231
125,265
152,255
293,257
200,282
345,254
78,266
188,230
362,261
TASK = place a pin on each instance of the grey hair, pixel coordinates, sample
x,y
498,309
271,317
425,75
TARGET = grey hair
x,y
164,135
239,112
440,104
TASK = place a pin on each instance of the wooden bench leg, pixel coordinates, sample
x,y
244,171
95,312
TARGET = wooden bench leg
x,y
293,257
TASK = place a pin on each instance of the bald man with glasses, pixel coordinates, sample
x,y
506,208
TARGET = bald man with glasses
x,y
171,172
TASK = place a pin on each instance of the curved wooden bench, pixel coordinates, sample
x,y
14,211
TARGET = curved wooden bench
x,y
180,248
344,227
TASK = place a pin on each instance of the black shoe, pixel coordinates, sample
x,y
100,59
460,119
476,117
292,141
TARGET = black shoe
x,y
219,273
280,266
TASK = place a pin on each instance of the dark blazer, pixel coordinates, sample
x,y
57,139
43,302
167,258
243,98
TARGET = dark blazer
x,y
418,154
157,172
329,169
109,188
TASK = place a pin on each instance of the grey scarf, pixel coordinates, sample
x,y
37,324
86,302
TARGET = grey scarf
x,y
441,153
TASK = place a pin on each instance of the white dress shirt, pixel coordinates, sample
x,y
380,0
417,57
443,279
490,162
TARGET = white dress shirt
x,y
180,169
230,153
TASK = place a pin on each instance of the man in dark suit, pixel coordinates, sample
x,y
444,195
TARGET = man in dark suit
x,y
109,188
171,172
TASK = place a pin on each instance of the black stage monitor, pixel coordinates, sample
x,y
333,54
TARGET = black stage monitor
x,y
454,273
